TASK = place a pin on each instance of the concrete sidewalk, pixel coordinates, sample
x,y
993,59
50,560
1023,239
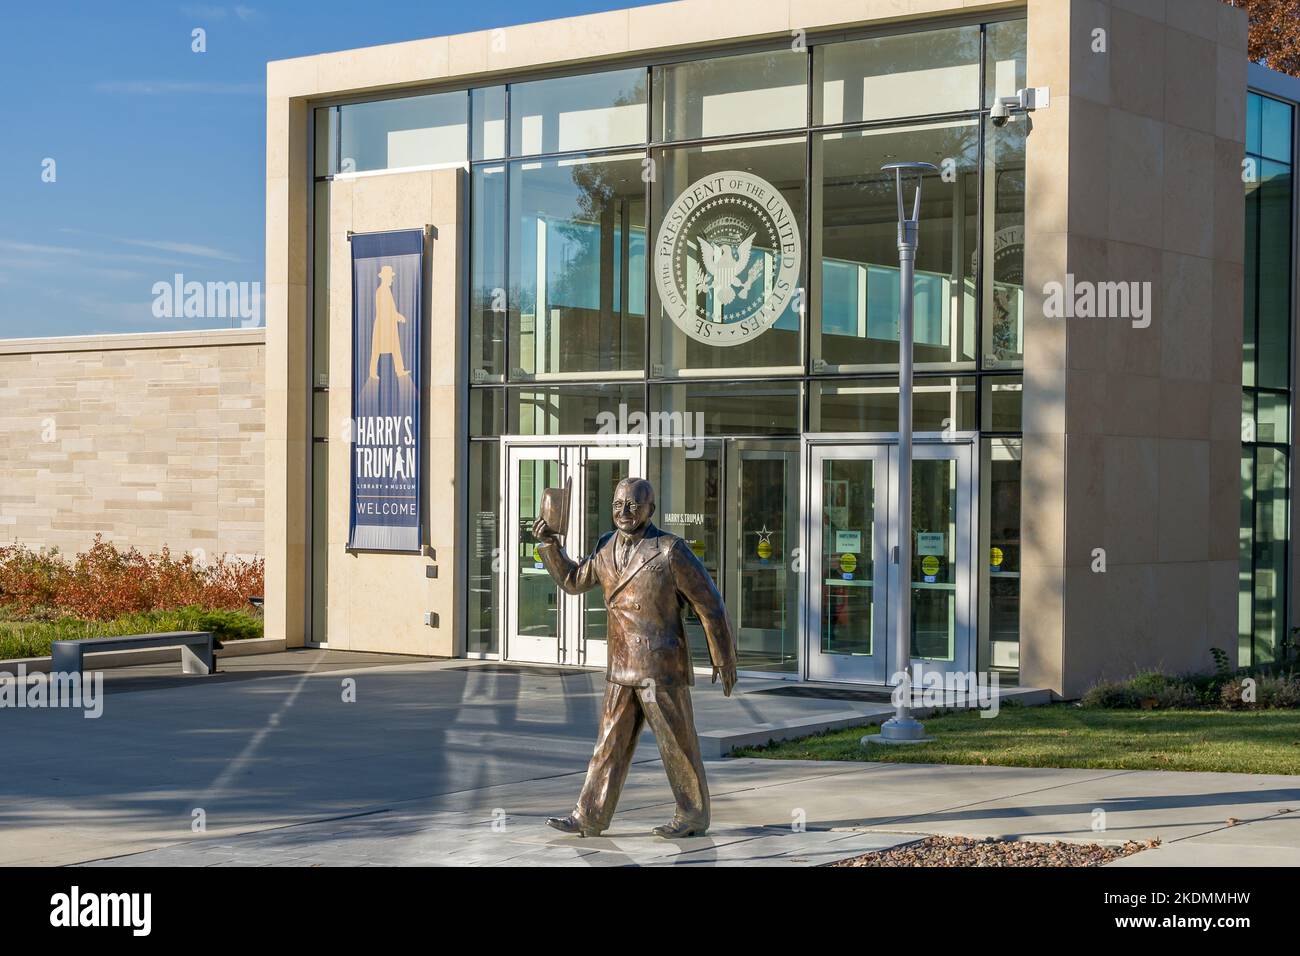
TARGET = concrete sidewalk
x,y
275,740
455,763
758,806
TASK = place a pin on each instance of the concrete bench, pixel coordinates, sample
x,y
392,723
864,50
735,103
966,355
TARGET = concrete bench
x,y
196,650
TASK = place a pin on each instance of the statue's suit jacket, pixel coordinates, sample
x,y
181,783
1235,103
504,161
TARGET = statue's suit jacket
x,y
647,640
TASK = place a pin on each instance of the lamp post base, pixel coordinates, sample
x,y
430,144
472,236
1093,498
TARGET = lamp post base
x,y
899,731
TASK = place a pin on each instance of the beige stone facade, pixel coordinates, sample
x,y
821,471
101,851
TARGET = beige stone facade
x,y
151,440
1132,435
376,602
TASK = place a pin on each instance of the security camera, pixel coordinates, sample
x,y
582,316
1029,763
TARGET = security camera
x,y
1001,112
1025,101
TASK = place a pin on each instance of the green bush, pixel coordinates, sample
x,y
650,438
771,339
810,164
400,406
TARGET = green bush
x,y
1205,686
1178,695
1151,684
1111,695
227,625
31,638
1270,691
1223,689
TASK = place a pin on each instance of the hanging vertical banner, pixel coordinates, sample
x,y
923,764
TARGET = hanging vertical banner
x,y
387,273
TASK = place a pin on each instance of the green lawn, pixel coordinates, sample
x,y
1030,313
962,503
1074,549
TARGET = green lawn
x,y
19,638
1063,735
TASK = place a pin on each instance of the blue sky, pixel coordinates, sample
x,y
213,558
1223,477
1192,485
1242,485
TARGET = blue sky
x,y
159,151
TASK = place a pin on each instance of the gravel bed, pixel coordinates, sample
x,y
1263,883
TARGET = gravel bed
x,y
964,851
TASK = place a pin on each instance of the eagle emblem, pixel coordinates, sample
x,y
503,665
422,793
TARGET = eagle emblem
x,y
728,274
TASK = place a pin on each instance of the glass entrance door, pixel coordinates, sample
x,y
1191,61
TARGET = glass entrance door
x,y
942,556
854,586
542,623
761,534
735,502
848,563
536,604
600,469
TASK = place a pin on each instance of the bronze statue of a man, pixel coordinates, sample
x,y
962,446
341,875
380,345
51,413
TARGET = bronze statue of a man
x,y
648,575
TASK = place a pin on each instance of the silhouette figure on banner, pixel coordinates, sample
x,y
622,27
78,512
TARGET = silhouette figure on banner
x,y
384,340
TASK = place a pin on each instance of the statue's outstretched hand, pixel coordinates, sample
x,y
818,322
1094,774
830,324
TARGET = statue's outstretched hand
x,y
728,675
543,533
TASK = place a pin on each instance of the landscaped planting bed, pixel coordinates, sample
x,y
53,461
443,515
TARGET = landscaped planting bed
x,y
107,592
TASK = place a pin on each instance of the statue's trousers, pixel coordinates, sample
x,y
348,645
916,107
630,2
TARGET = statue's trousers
x,y
626,710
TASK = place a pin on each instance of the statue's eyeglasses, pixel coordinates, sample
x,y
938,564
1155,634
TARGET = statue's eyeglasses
x,y
632,506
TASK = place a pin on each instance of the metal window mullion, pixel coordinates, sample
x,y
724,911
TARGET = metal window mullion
x,y
1293,290
646,266
981,223
806,320
1254,451
508,173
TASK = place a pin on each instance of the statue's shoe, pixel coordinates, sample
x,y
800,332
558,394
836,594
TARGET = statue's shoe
x,y
570,824
678,830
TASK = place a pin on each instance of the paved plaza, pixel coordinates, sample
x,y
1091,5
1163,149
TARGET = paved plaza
x,y
455,762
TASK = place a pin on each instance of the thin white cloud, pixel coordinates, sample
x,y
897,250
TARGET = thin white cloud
x,y
75,269
181,248
40,257
49,257
184,248
37,248
43,251
176,87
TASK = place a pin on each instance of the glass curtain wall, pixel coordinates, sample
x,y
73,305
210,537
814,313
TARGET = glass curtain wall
x,y
1264,567
571,179
855,231
577,268
1001,449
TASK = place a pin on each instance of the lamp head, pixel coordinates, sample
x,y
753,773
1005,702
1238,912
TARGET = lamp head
x,y
900,170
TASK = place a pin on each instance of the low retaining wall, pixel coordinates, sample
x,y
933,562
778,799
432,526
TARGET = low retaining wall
x,y
96,660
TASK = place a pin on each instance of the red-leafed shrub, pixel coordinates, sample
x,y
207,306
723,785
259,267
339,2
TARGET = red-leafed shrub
x,y
103,582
